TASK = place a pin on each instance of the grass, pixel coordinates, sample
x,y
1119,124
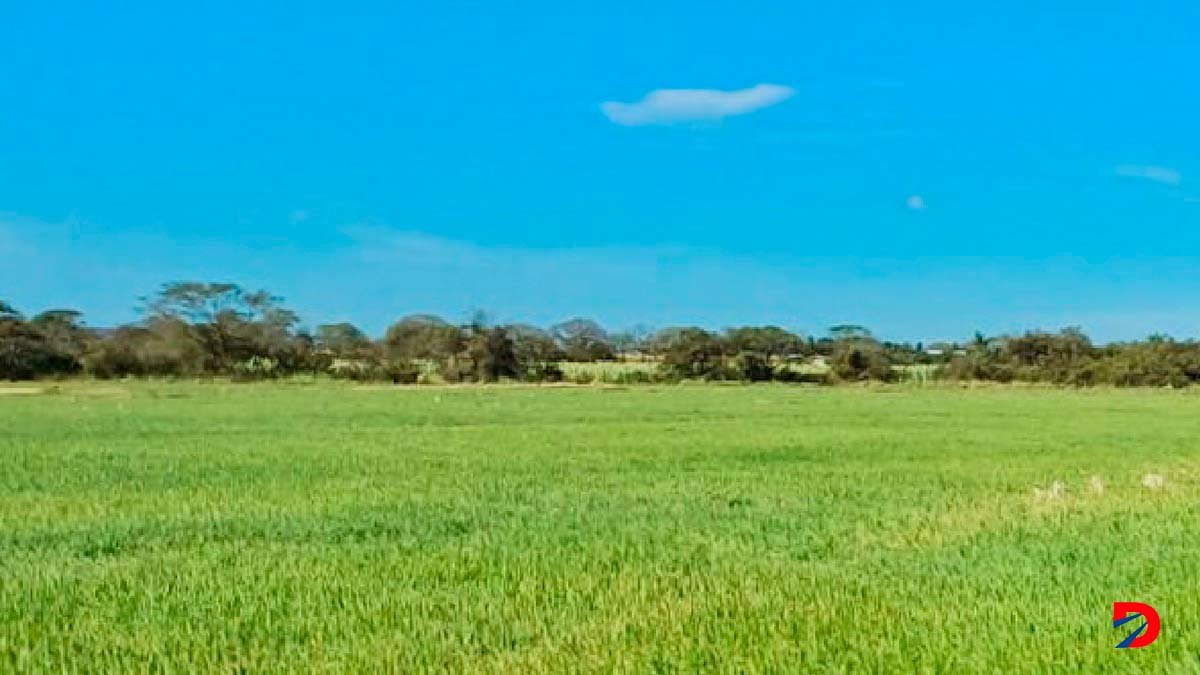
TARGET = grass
x,y
193,528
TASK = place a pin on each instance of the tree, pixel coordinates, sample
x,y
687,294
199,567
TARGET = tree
x,y
770,341
232,325
161,346
631,339
848,331
64,330
9,313
690,353
1158,361
423,337
904,353
491,355
25,350
536,353
1063,358
758,350
1066,357
344,340
853,355
583,340
981,343
860,359
342,350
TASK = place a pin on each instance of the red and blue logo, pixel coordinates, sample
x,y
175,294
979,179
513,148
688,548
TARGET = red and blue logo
x,y
1125,612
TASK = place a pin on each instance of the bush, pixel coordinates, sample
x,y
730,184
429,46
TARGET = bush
x,y
633,377
401,372
859,359
542,372
1157,362
26,353
163,349
354,369
24,358
256,368
754,367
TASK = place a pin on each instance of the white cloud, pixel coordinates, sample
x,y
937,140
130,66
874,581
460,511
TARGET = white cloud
x,y
1160,174
915,202
667,106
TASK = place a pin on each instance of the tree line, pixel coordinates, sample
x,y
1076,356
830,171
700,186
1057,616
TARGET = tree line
x,y
198,329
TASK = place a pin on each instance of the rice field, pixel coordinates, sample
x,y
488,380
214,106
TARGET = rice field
x,y
329,528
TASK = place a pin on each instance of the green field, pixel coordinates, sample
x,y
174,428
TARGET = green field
x,y
193,528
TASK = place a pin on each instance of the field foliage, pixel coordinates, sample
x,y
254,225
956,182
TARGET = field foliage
x,y
282,527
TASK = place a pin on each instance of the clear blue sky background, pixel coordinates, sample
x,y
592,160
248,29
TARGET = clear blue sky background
x,y
367,161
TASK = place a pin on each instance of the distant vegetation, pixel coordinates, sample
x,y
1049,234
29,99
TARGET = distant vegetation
x,y
193,329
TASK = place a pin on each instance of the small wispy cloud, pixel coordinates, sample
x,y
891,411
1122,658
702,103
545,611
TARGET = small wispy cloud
x,y
915,202
1159,174
668,106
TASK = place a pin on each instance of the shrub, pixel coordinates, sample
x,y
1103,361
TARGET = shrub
x,y
25,354
401,372
256,368
754,366
859,359
27,351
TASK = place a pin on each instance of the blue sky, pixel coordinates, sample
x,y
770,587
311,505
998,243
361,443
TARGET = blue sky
x,y
926,169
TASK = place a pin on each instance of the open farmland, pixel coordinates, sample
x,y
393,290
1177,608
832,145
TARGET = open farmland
x,y
151,527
